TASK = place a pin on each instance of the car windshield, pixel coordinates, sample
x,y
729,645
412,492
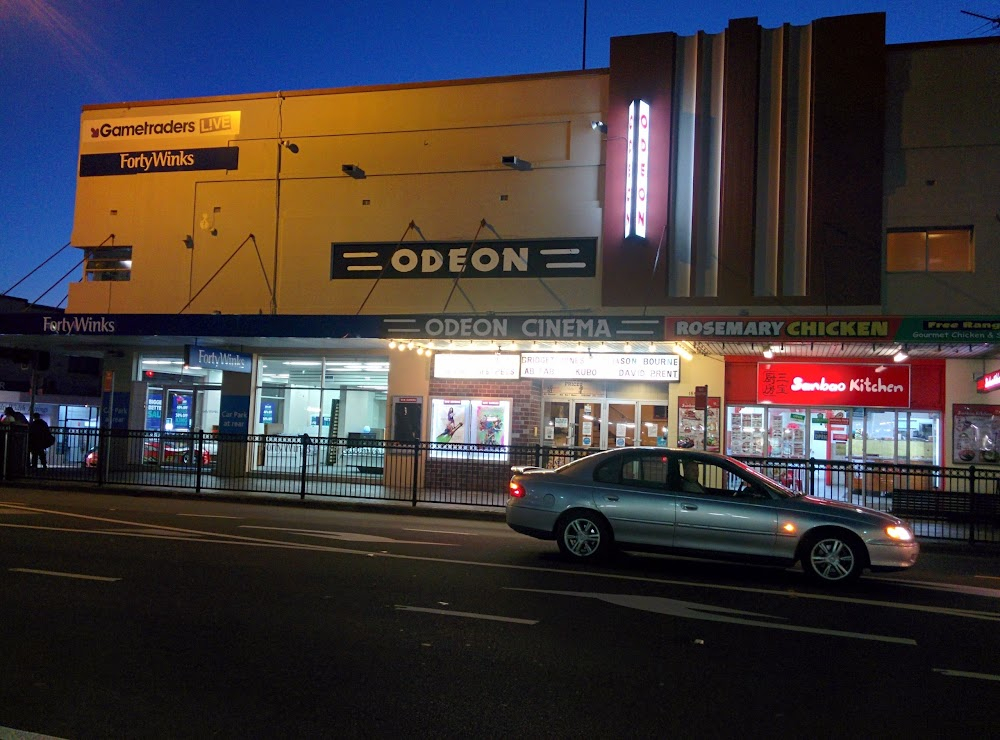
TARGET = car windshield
x,y
769,483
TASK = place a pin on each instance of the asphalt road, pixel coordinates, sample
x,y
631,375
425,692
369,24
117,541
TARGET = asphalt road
x,y
145,617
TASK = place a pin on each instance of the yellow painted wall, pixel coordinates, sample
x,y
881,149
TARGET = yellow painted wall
x,y
432,155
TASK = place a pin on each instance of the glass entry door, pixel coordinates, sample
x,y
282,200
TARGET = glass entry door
x,y
621,424
600,424
589,424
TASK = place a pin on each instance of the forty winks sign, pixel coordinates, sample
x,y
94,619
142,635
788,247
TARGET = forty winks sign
x,y
807,384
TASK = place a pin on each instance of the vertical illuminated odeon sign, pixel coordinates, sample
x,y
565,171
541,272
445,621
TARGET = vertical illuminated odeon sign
x,y
636,169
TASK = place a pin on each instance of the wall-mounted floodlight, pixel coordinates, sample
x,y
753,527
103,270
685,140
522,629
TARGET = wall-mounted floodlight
x,y
600,126
188,241
515,163
352,170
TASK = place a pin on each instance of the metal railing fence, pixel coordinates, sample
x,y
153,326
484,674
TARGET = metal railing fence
x,y
940,502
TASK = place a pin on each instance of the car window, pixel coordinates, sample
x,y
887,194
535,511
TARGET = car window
x,y
710,478
609,472
648,471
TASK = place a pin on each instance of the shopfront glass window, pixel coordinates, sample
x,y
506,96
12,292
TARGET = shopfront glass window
x,y
881,436
179,397
786,430
341,397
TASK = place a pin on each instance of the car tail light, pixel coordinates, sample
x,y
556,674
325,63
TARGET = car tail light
x,y
517,490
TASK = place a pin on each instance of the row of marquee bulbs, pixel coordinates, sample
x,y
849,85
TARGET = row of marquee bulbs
x,y
429,348
899,356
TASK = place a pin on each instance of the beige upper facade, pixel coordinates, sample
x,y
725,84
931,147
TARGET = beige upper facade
x,y
432,158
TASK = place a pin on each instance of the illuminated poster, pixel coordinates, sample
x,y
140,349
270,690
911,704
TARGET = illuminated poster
x,y
448,420
491,422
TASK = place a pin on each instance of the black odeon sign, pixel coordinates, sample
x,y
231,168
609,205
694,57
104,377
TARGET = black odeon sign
x,y
530,258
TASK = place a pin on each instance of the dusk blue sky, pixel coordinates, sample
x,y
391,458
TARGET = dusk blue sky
x,y
58,55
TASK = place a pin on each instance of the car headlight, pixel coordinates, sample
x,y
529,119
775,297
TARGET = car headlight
x,y
901,534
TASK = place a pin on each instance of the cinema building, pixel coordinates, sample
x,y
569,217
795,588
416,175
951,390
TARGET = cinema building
x,y
807,237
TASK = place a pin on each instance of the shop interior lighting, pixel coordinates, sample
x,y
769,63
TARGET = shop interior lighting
x,y
352,170
515,162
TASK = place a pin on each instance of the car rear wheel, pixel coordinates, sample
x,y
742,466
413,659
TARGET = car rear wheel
x,y
583,536
833,559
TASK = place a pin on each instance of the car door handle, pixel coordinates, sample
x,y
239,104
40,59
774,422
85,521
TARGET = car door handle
x,y
689,507
612,498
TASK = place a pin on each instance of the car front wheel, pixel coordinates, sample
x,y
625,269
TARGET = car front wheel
x,y
833,559
583,536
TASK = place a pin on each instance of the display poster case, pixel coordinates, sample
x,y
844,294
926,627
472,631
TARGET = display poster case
x,y
698,429
457,422
976,428
746,431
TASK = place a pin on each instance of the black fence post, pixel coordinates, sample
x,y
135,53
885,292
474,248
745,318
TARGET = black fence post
x,y
416,473
305,463
538,455
810,475
973,514
199,453
103,454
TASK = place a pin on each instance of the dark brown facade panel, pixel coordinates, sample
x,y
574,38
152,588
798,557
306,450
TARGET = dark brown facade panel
x,y
739,161
641,67
848,122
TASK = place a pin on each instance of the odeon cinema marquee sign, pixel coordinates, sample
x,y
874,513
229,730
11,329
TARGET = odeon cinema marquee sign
x,y
530,258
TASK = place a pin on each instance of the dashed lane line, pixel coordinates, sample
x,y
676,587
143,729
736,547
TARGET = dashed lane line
x,y
80,576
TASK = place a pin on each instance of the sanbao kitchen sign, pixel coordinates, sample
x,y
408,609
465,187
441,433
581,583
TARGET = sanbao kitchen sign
x,y
807,384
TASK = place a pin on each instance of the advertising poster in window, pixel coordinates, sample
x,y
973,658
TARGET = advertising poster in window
x,y
491,422
697,427
448,420
459,423
976,428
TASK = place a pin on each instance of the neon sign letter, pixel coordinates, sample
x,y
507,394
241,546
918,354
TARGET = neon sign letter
x,y
636,169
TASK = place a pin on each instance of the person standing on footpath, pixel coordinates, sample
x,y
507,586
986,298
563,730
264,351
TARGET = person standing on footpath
x,y
39,439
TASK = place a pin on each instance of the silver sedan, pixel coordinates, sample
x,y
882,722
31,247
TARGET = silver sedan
x,y
702,504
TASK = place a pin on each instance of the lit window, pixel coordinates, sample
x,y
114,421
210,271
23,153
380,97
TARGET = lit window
x,y
932,250
108,263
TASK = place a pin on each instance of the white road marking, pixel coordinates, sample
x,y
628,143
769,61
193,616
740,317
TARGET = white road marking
x,y
710,613
156,532
10,732
348,536
440,531
80,576
991,593
211,516
468,615
966,674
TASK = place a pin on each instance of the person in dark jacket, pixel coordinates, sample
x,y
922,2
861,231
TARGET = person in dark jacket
x,y
39,439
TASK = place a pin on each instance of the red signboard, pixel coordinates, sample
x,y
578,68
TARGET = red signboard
x,y
989,382
821,384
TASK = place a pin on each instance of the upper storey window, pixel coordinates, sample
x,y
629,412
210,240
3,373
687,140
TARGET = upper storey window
x,y
930,250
